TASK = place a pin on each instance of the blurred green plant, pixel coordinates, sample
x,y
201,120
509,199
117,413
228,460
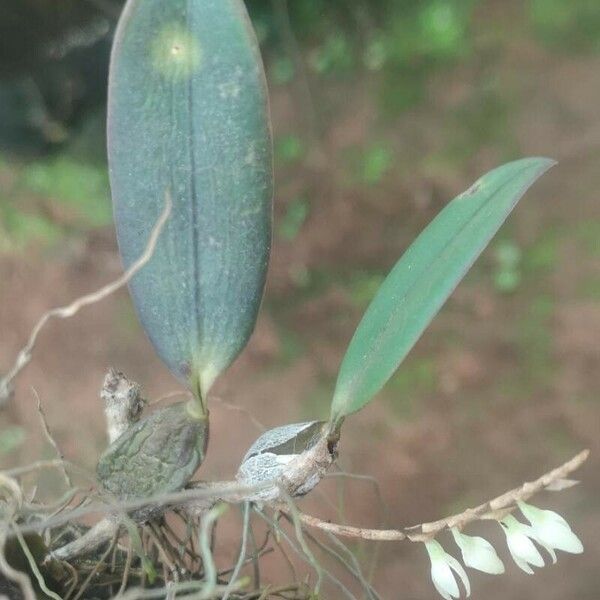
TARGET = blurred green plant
x,y
293,219
363,286
542,256
11,438
588,233
404,41
572,24
82,187
368,165
535,342
282,70
335,55
417,379
289,149
507,273
376,162
18,229
79,190
483,119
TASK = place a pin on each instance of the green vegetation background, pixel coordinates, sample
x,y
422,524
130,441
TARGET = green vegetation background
x,y
50,156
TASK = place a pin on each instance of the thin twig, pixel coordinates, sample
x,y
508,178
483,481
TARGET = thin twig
x,y
337,556
141,593
21,579
376,548
126,570
65,312
95,570
167,560
75,576
256,554
33,566
287,559
371,592
51,439
210,570
242,557
226,491
299,551
300,537
241,409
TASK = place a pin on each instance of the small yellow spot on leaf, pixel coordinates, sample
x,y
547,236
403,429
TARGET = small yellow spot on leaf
x,y
176,52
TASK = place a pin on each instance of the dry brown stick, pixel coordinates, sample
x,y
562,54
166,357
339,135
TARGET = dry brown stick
x,y
51,439
65,312
493,509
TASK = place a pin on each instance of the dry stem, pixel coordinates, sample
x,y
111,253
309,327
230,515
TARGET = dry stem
x,y
494,509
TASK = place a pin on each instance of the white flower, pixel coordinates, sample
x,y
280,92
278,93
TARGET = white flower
x,y
442,565
522,549
552,531
478,553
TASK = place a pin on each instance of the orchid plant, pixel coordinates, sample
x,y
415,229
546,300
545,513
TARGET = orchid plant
x,y
187,87
191,170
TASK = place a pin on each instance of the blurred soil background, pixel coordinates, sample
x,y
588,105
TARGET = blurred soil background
x,y
383,111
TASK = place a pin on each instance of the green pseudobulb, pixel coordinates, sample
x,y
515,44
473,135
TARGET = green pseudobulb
x,y
157,455
188,118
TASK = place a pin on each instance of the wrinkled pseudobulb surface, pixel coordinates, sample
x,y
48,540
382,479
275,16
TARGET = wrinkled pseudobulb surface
x,y
157,455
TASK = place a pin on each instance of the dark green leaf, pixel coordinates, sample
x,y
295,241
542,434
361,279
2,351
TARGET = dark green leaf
x,y
188,116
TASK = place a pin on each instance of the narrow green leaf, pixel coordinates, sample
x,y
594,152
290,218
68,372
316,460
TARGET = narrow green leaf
x,y
423,278
188,115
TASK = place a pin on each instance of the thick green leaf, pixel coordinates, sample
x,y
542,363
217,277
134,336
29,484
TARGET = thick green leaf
x,y
423,278
188,116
